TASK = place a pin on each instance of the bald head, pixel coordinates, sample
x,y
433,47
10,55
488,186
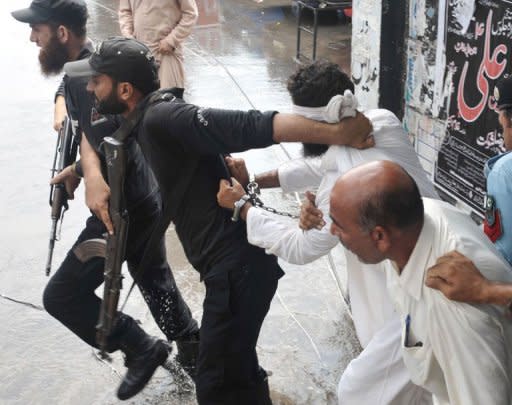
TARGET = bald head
x,y
381,193
377,212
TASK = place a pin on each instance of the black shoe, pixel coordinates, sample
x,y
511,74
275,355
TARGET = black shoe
x,y
141,367
188,349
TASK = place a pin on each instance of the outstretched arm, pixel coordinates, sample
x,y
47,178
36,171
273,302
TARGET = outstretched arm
x,y
293,175
355,132
210,131
278,235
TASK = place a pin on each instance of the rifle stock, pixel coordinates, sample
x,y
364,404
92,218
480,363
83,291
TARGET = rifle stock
x,y
115,155
65,154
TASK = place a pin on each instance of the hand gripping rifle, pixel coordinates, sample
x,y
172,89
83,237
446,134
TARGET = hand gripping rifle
x,y
65,154
115,155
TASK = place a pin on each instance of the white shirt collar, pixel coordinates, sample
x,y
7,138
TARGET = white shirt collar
x,y
412,277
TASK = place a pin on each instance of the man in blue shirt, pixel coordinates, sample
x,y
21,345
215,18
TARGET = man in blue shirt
x,y
498,170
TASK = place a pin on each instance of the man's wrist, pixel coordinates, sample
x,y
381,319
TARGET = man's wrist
x,y
267,179
92,175
328,134
497,293
344,132
238,205
245,210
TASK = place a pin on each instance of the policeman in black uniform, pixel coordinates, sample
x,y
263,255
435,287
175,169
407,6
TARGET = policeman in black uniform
x,y
182,143
58,27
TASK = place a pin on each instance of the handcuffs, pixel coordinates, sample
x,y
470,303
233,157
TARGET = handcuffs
x,y
252,190
238,207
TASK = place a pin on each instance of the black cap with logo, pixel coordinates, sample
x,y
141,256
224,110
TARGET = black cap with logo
x,y
503,94
123,59
43,11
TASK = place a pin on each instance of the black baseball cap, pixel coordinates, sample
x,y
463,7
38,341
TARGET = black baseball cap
x,y
43,11
123,59
503,93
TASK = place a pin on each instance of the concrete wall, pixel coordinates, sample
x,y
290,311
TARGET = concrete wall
x,y
366,32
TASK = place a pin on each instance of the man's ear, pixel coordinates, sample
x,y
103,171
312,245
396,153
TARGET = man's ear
x,y
62,34
382,238
124,91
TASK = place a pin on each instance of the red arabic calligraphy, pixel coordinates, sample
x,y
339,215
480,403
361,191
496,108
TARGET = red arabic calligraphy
x,y
490,67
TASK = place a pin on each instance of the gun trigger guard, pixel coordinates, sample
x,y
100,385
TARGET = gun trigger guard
x,y
90,249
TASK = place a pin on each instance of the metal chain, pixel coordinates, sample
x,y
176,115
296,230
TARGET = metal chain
x,y
253,190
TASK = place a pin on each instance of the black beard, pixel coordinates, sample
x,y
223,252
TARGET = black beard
x,y
313,149
110,105
53,57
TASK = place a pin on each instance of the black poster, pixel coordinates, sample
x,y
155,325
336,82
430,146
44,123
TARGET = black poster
x,y
475,61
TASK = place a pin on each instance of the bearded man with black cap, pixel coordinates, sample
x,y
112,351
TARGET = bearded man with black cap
x,y
59,29
182,143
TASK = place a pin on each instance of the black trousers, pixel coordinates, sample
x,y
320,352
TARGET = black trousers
x,y
70,298
237,300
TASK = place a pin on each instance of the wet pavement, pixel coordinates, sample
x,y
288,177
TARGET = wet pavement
x,y
239,57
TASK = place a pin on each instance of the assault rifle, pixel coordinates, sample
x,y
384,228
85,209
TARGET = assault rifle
x,y
65,154
115,156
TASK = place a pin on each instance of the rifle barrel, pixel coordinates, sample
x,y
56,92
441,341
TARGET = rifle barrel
x,y
65,154
51,245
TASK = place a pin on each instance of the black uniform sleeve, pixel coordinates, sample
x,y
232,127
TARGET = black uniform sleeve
x,y
208,131
60,90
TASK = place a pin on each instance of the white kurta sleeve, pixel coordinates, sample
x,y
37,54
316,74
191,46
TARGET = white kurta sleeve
x,y
300,174
285,239
282,236
470,348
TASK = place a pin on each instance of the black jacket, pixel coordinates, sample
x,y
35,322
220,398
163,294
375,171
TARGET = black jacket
x,y
173,133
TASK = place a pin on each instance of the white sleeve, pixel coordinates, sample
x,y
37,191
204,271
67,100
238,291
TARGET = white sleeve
x,y
300,174
469,342
282,236
471,349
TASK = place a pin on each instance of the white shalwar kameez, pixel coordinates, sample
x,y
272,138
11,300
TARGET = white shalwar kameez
x,y
459,352
378,375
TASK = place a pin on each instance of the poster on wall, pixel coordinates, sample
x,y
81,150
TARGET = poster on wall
x,y
476,58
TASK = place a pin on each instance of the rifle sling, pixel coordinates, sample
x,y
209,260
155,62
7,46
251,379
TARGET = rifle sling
x,y
171,200
131,121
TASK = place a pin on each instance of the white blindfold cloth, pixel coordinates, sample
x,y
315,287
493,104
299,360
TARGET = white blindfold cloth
x,y
339,107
